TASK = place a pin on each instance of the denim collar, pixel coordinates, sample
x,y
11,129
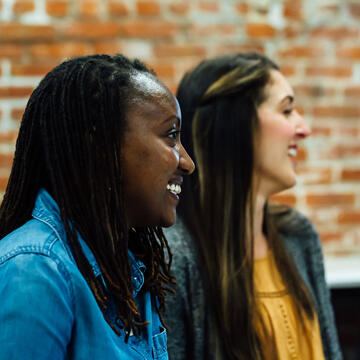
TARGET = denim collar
x,y
47,211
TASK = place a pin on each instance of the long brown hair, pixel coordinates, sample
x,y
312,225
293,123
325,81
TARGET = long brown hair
x,y
70,144
219,100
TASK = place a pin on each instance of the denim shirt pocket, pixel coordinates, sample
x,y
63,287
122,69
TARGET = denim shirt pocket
x,y
158,350
160,345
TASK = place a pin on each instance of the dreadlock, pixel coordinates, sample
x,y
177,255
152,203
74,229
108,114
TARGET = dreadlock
x,y
70,144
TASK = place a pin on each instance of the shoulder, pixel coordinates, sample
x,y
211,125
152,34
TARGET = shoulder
x,y
185,261
181,244
34,237
35,251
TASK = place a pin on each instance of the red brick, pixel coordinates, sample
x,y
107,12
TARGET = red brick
x,y
315,175
118,8
292,10
349,217
17,114
179,50
208,30
3,182
90,30
148,29
172,86
354,10
8,137
302,154
6,160
314,91
320,131
304,51
31,69
59,50
211,7
351,132
330,9
23,6
300,109
89,8
179,8
334,33
18,32
350,175
288,71
163,70
107,47
353,91
343,151
327,237
336,111
349,53
329,71
15,92
231,49
260,30
57,7
285,199
148,7
242,8
11,51
292,31
330,199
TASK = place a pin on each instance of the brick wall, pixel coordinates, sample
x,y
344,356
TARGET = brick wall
x,y
316,43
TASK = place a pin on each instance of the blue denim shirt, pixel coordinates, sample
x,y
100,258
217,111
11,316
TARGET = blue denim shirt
x,y
47,310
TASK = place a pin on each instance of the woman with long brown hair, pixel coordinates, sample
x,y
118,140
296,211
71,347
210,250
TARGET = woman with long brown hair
x,y
250,275
98,167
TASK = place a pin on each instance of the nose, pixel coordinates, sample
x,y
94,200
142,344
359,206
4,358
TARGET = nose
x,y
186,165
302,128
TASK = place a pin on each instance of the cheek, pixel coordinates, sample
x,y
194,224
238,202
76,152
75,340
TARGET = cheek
x,y
275,131
170,158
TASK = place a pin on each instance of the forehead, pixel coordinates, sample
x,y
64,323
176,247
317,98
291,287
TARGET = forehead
x,y
146,83
277,87
152,100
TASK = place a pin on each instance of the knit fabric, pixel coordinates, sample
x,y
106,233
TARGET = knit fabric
x,y
187,315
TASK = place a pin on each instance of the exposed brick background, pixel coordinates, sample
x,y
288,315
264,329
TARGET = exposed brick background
x,y
315,42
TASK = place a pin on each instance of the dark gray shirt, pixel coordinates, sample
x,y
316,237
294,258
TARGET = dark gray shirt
x,y
187,315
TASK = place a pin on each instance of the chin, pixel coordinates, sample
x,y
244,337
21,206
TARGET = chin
x,y
168,221
283,185
289,184
167,224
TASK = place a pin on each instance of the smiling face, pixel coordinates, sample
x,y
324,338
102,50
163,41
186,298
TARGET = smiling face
x,y
280,129
154,160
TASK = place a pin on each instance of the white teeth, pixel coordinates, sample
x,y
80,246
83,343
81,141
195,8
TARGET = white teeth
x,y
174,188
292,152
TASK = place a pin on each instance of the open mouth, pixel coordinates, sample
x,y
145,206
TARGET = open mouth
x,y
174,188
292,151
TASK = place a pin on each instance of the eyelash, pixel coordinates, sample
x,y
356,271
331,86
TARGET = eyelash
x,y
174,134
288,112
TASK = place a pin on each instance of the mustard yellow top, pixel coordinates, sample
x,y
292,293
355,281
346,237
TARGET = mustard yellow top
x,y
288,339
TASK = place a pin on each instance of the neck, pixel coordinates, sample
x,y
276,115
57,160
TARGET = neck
x,y
260,242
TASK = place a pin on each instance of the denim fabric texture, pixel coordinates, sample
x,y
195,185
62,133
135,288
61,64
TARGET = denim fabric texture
x,y
47,310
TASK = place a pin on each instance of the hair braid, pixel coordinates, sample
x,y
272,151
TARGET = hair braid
x,y
70,144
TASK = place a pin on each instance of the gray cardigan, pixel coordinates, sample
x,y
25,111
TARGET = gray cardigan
x,y
186,312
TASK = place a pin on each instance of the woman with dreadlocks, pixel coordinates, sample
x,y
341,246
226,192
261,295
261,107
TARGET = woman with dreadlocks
x,y
84,265
250,275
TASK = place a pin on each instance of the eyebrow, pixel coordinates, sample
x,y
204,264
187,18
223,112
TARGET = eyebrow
x,y
286,98
172,117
